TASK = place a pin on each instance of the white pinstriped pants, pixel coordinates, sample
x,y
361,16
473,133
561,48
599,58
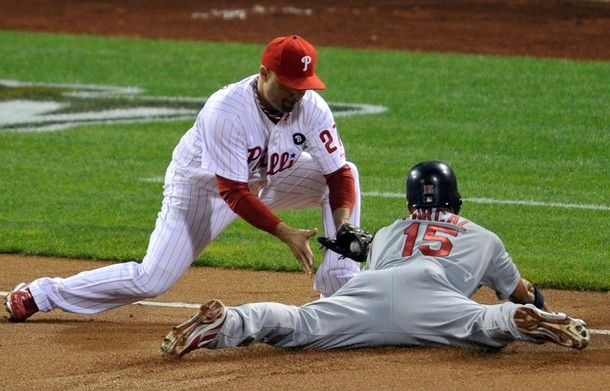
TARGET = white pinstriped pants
x,y
192,215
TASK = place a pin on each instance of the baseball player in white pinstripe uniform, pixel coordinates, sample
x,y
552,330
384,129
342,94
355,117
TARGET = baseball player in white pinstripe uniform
x,y
420,274
263,144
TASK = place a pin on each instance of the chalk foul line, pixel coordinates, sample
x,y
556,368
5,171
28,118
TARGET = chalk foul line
x,y
190,305
475,200
478,200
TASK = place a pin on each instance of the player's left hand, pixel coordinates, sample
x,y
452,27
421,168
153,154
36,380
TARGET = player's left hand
x,y
350,242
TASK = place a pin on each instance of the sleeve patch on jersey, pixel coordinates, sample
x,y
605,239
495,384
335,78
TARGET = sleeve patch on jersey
x,y
298,138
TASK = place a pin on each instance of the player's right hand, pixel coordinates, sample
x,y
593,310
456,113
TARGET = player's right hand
x,y
298,241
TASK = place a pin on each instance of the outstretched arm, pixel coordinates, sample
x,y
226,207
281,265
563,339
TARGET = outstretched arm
x,y
250,208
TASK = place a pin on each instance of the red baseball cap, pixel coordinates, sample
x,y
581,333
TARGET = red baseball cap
x,y
293,61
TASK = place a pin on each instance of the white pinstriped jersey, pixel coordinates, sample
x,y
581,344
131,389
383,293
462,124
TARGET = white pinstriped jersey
x,y
233,138
470,254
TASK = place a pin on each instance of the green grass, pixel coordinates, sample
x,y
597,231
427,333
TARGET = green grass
x,y
513,129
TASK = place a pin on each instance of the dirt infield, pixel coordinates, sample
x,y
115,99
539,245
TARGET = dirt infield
x,y
550,28
118,349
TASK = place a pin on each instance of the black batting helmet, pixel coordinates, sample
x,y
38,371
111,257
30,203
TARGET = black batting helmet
x,y
433,184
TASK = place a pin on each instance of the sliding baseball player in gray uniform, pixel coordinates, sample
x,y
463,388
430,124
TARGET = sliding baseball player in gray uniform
x,y
420,274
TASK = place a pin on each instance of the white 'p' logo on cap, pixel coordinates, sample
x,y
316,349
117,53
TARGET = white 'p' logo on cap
x,y
306,60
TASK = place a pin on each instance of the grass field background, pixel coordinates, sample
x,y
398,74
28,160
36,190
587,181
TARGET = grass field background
x,y
514,129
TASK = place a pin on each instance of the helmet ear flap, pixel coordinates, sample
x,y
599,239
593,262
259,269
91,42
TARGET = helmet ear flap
x,y
456,203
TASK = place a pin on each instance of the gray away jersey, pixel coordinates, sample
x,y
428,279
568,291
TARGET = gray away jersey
x,y
470,254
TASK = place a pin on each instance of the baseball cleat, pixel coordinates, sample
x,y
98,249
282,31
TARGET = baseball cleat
x,y
554,327
196,332
20,304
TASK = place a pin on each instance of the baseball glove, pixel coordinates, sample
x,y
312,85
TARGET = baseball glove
x,y
350,242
